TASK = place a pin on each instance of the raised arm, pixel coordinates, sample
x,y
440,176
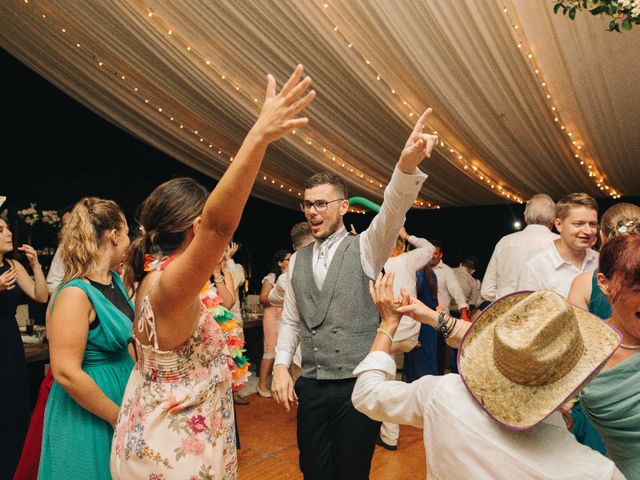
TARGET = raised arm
x,y
419,256
378,240
375,394
35,288
183,278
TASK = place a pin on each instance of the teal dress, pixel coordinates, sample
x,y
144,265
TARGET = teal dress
x,y
612,403
75,442
583,430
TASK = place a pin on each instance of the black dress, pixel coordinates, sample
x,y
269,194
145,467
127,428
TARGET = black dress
x,y
14,399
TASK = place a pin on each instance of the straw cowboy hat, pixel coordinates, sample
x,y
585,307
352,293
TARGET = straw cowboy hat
x,y
529,352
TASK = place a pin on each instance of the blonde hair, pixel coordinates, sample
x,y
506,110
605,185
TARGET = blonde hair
x,y
80,237
574,200
620,219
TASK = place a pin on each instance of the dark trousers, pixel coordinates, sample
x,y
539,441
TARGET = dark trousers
x,y
336,441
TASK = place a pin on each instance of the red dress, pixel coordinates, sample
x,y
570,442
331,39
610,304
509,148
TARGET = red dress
x,y
30,458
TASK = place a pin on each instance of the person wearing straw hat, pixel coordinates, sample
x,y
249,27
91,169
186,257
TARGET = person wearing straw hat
x,y
518,362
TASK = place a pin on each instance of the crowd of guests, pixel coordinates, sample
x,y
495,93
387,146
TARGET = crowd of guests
x,y
532,372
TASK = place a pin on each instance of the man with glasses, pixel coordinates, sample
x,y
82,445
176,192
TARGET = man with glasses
x,y
328,308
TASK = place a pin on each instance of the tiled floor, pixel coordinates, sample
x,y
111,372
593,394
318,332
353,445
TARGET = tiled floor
x,y
269,452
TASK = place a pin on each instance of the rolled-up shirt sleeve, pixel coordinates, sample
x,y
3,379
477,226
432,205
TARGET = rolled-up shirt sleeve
x,y
387,400
289,333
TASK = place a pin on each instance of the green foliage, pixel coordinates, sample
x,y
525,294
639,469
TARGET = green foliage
x,y
624,14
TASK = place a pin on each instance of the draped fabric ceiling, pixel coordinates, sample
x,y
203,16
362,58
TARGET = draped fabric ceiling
x,y
524,101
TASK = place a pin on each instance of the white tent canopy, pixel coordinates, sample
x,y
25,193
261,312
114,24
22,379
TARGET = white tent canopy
x,y
524,101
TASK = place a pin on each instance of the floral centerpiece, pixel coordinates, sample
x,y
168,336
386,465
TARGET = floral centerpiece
x,y
50,217
29,215
624,13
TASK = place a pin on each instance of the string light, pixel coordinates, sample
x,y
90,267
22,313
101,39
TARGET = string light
x,y
146,98
359,176
456,158
589,165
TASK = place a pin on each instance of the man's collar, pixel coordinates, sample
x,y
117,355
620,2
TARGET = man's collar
x,y
333,238
535,226
558,261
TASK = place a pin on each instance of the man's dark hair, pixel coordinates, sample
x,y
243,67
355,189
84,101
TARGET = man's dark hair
x,y
469,262
299,232
328,178
436,243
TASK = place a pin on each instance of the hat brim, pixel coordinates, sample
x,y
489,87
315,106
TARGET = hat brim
x,y
517,406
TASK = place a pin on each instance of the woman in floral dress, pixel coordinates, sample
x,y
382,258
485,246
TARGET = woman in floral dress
x,y
176,419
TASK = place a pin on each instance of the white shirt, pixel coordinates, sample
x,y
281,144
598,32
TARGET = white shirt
x,y
56,272
376,243
276,294
509,255
469,285
461,440
237,275
405,267
449,289
549,270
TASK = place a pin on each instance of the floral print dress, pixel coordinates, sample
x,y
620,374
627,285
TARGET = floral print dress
x,y
176,419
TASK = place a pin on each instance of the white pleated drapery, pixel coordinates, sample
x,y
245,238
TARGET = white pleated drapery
x,y
188,77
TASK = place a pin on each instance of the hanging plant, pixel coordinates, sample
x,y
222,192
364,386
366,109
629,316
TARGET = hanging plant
x,y
624,13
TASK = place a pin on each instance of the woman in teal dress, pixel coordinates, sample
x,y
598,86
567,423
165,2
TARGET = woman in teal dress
x,y
585,293
89,330
612,400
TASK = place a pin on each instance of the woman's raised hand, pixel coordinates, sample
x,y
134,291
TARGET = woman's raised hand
x,y
278,115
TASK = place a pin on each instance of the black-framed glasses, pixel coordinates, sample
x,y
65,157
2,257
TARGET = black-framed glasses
x,y
319,205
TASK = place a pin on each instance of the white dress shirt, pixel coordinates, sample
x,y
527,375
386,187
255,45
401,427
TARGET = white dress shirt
x,y
509,255
376,243
56,272
449,289
469,286
462,441
405,267
549,270
237,275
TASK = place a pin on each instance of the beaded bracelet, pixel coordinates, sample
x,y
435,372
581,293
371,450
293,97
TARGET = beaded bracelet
x,y
383,331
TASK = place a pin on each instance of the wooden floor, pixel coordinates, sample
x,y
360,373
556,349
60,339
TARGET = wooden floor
x,y
269,451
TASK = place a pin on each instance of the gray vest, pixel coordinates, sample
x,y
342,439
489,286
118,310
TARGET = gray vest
x,y
338,323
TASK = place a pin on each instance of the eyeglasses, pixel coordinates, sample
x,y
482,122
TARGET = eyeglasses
x,y
319,205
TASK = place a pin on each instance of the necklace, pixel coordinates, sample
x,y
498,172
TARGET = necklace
x,y
630,347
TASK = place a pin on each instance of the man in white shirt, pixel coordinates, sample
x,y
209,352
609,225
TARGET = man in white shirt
x,y
516,249
56,269
404,265
568,256
469,284
484,427
450,292
328,309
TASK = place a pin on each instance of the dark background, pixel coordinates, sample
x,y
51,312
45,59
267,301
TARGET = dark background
x,y
55,151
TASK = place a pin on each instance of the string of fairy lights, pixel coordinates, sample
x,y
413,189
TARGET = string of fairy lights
x,y
572,138
475,169
236,89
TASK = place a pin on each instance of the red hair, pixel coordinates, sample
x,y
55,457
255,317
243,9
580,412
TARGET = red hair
x,y
620,263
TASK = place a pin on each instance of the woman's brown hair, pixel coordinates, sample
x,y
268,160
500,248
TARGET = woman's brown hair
x,y
81,235
620,263
164,218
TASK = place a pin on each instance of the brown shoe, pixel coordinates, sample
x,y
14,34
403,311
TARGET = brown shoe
x,y
238,400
